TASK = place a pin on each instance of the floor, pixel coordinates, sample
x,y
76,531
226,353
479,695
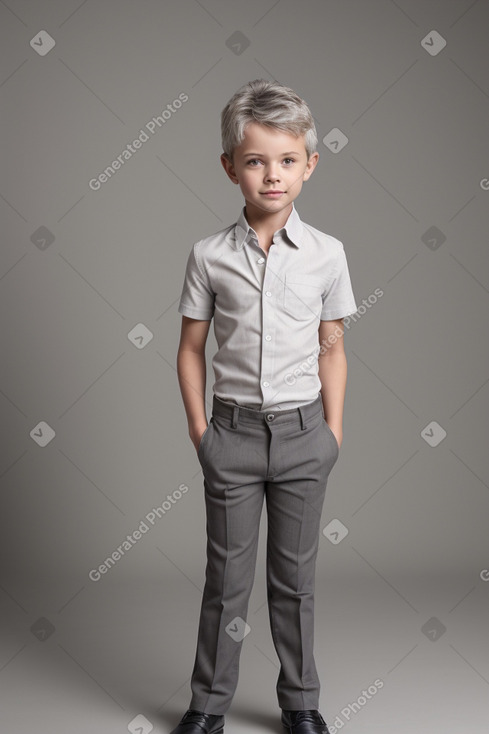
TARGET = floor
x,y
118,656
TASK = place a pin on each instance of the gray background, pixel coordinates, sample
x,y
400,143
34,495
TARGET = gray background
x,y
403,598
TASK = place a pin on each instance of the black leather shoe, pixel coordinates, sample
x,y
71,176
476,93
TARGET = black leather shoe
x,y
304,722
197,722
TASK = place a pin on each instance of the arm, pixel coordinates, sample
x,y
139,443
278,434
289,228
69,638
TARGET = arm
x,y
332,374
191,370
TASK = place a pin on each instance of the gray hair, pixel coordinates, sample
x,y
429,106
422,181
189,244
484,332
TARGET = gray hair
x,y
270,104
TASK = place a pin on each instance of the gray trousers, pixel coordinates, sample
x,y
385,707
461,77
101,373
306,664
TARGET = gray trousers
x,y
285,456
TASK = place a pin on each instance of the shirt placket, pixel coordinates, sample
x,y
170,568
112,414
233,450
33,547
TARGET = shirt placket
x,y
269,296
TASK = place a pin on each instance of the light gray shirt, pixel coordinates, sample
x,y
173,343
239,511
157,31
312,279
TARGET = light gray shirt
x,y
267,308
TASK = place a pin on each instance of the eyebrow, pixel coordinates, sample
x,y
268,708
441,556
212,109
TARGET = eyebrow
x,y
261,155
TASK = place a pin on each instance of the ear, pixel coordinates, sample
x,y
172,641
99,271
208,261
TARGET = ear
x,y
229,168
311,165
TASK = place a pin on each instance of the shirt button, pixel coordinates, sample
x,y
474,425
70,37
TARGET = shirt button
x,y
268,293
265,384
270,416
268,337
260,260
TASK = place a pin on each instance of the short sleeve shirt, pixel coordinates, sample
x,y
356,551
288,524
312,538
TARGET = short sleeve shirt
x,y
267,308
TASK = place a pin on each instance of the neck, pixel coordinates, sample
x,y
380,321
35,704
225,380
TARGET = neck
x,y
266,222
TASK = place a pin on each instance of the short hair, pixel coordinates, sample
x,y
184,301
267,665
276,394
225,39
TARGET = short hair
x,y
270,104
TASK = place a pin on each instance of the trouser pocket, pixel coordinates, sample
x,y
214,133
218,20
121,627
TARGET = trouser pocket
x,y
204,439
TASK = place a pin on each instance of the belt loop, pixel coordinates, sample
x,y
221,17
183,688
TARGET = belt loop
x,y
234,420
302,414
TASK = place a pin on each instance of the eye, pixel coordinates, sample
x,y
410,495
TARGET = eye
x,y
292,160
253,160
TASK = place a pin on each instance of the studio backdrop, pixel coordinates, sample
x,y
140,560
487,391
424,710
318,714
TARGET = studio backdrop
x,y
110,172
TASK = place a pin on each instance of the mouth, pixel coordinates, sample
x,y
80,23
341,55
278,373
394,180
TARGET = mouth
x,y
273,193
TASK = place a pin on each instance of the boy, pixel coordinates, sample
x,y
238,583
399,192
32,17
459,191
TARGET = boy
x,y
276,287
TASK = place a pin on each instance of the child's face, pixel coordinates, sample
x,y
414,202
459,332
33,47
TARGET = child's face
x,y
266,160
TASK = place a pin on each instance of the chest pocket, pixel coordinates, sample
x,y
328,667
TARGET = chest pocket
x,y
302,295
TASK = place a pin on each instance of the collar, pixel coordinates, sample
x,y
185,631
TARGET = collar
x,y
292,229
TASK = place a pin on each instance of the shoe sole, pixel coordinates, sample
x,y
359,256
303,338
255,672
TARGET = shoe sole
x,y
287,727
217,731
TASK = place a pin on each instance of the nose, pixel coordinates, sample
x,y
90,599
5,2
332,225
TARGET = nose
x,y
271,175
